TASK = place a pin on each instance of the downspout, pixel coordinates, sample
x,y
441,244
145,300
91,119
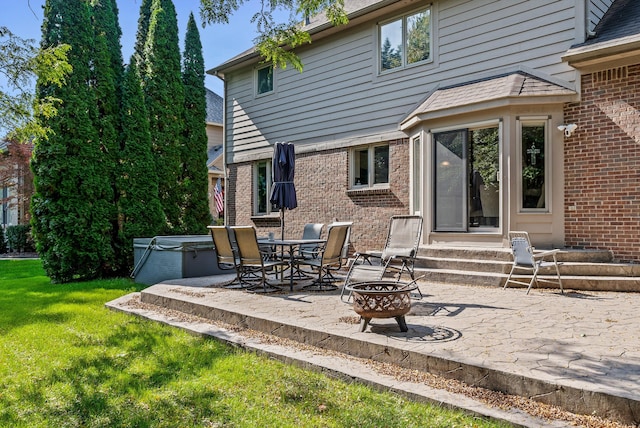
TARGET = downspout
x,y
588,31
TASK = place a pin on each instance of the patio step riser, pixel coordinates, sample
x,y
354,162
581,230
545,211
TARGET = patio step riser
x,y
583,283
504,254
566,268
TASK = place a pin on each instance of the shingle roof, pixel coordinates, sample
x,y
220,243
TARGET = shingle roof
x,y
513,85
214,107
620,21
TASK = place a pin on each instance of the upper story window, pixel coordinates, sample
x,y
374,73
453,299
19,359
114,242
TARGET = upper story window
x,y
262,186
370,166
264,80
405,40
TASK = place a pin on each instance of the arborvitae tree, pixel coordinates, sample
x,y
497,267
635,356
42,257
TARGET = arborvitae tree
x,y
107,73
73,201
162,85
140,210
194,151
141,35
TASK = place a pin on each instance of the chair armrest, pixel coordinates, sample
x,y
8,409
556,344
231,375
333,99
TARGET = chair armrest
x,y
367,256
543,254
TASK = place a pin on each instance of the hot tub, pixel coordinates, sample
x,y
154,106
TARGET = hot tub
x,y
171,257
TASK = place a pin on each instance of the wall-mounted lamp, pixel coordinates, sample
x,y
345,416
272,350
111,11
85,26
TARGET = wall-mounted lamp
x,y
568,129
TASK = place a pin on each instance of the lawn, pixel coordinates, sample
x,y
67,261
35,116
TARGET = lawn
x,y
67,361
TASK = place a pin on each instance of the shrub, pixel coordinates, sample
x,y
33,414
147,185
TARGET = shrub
x,y
3,244
19,238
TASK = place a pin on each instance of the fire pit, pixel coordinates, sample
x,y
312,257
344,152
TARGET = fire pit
x,y
382,299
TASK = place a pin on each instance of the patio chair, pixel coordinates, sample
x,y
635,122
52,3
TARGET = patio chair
x,y
329,257
526,259
252,260
226,256
344,253
401,246
398,255
307,251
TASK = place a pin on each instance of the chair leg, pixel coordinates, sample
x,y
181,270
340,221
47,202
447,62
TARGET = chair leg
x,y
534,278
558,273
513,268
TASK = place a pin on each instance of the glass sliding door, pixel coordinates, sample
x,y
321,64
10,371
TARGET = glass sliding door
x,y
450,191
467,179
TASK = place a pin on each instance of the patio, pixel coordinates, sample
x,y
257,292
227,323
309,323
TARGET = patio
x,y
579,351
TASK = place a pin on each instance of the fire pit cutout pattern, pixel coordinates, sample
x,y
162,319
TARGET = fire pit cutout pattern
x,y
382,299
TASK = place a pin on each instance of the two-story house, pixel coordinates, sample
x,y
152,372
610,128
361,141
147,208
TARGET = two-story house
x,y
483,116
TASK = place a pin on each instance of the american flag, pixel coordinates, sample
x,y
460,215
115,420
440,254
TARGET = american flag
x,y
219,197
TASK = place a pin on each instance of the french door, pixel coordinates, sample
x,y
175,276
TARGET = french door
x,y
466,179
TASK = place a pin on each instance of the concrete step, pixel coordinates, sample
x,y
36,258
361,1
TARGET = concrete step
x,y
580,269
493,279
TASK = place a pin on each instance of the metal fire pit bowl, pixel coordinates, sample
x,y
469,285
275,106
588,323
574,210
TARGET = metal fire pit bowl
x,y
382,299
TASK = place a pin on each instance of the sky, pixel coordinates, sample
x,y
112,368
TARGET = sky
x,y
220,42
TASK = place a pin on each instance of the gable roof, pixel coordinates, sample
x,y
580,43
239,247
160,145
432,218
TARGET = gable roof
x,y
617,37
214,107
494,91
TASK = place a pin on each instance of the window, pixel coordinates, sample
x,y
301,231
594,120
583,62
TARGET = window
x,y
405,40
262,186
370,166
534,171
264,80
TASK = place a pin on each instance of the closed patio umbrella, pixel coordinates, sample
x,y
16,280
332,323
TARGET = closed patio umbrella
x,y
283,192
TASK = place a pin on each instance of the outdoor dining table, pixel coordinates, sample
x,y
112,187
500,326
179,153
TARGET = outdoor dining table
x,y
292,244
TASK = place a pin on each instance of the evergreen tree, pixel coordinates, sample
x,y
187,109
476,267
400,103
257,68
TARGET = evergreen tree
x,y
140,210
141,35
72,204
164,95
106,82
196,215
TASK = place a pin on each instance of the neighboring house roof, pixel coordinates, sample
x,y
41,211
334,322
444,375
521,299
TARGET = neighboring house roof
x,y
617,35
214,107
213,156
500,90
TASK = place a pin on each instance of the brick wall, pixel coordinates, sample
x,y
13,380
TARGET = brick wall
x,y
323,196
602,164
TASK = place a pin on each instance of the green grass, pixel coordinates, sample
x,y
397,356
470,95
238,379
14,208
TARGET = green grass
x,y
67,361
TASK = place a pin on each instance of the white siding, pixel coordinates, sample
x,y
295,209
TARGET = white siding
x,y
340,96
597,9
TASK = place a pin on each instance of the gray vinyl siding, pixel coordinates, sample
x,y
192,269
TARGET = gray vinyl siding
x,y
597,9
340,97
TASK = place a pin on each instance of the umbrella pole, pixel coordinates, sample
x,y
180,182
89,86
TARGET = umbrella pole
x,y
282,224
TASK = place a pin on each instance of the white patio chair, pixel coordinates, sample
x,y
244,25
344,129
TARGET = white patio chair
x,y
527,260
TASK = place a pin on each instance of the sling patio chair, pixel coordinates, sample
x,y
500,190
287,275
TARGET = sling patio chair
x,y
526,259
307,251
253,261
398,255
401,246
226,256
329,257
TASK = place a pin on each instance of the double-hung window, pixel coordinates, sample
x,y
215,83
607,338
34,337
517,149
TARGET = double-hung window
x,y
370,166
405,40
262,186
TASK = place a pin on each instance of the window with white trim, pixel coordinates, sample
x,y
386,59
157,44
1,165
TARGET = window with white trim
x,y
264,80
405,40
533,164
262,185
370,166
